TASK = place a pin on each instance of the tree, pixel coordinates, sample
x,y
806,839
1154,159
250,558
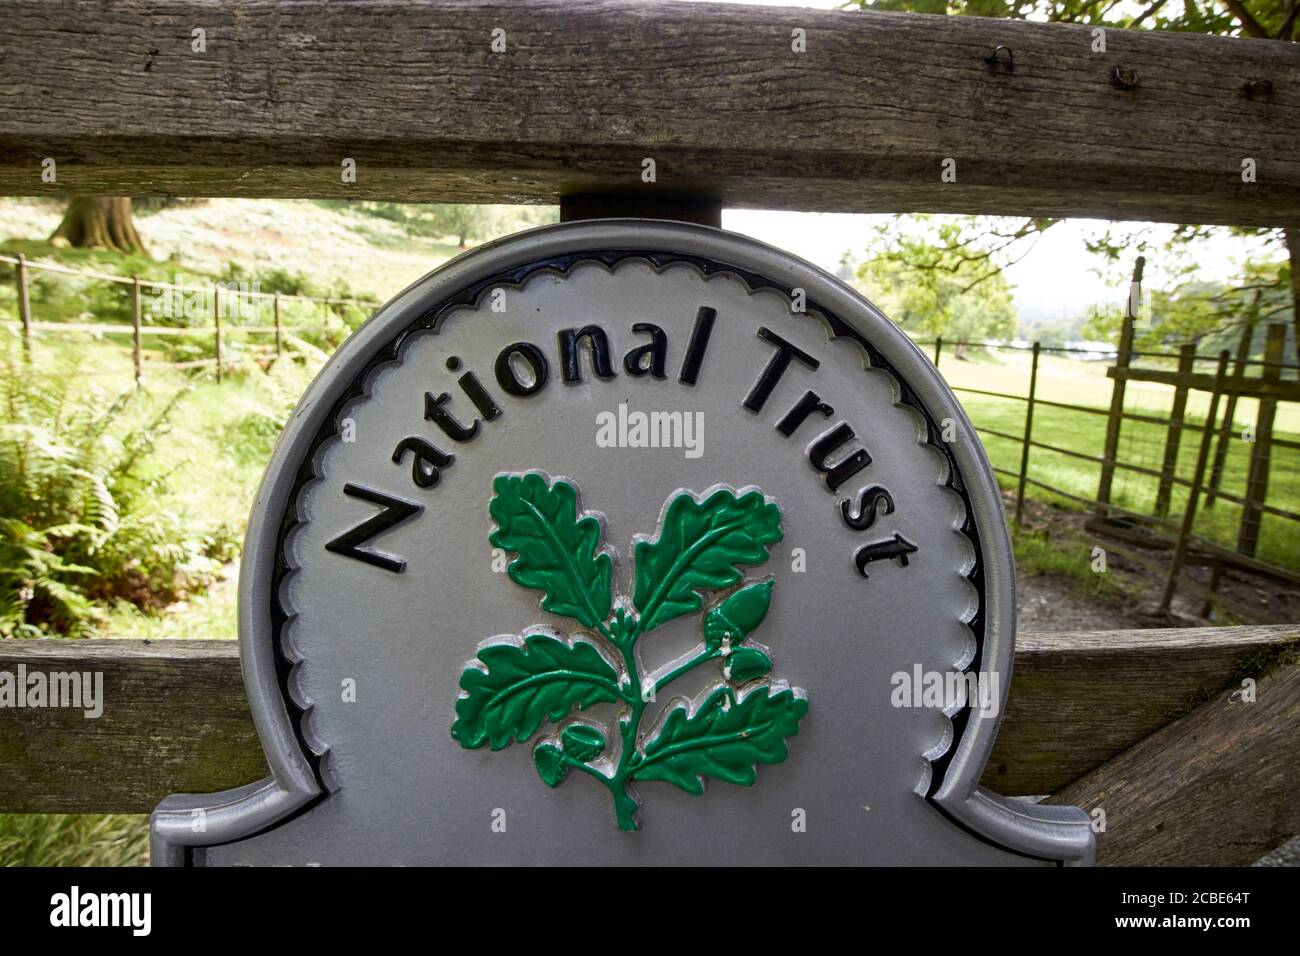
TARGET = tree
x,y
465,221
1192,308
1260,19
99,222
928,288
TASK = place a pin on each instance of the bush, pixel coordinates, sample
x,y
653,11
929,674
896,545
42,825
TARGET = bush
x,y
259,414
78,524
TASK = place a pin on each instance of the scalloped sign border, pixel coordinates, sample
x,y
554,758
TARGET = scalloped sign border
x,y
298,778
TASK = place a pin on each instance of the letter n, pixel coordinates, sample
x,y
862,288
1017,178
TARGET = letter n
x,y
395,512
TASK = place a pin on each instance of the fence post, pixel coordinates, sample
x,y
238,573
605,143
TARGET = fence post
x,y
1123,358
1029,430
135,324
938,348
1257,477
1186,366
24,307
216,318
1198,477
279,332
1230,407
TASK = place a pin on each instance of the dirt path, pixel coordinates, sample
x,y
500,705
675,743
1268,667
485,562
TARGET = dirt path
x,y
1056,602
1045,604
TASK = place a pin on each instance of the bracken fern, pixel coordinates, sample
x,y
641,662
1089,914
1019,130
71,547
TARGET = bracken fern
x,y
78,521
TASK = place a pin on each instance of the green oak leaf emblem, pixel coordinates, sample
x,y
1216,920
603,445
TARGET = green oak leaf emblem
x,y
517,684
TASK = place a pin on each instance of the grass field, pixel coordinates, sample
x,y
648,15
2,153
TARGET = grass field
x,y
1141,443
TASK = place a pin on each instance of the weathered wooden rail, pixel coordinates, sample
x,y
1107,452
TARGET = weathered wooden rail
x,y
283,93
1089,720
266,98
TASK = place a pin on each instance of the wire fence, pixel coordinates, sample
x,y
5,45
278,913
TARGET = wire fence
x,y
1204,499
1159,481
217,302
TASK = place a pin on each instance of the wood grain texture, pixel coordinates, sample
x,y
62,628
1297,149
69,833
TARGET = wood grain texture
x,y
1077,699
176,718
860,122
1216,788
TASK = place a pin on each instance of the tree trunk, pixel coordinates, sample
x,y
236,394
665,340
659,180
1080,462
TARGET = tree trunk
x,y
101,222
1291,234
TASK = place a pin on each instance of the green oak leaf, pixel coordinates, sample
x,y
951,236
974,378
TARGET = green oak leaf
x,y
724,739
550,765
745,664
582,742
558,553
518,688
737,617
699,545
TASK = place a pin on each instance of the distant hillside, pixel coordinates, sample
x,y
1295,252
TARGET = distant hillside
x,y
328,243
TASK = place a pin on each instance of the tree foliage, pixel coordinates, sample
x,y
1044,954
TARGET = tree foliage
x,y
1271,19
943,276
1267,286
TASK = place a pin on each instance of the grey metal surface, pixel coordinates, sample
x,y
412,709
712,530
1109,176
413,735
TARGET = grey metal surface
x,y
380,780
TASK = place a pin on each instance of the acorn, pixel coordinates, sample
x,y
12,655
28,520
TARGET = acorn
x,y
582,742
736,618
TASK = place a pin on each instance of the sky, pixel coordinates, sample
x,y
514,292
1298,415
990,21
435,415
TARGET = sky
x,y
1054,278
1057,278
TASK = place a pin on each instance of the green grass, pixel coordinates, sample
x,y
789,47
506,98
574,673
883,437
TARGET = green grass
x,y
1067,557
208,616
74,839
1141,443
328,244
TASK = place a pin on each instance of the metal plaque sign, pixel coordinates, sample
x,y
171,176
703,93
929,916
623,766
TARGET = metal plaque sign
x,y
625,542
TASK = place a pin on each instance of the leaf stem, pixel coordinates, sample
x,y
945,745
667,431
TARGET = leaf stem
x,y
702,658
632,725
585,768
629,758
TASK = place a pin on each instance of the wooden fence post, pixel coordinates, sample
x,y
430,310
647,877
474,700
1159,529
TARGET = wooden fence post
x,y
24,307
1230,407
279,331
938,349
1257,477
1193,493
1029,430
1225,436
216,318
1123,358
135,323
1186,366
